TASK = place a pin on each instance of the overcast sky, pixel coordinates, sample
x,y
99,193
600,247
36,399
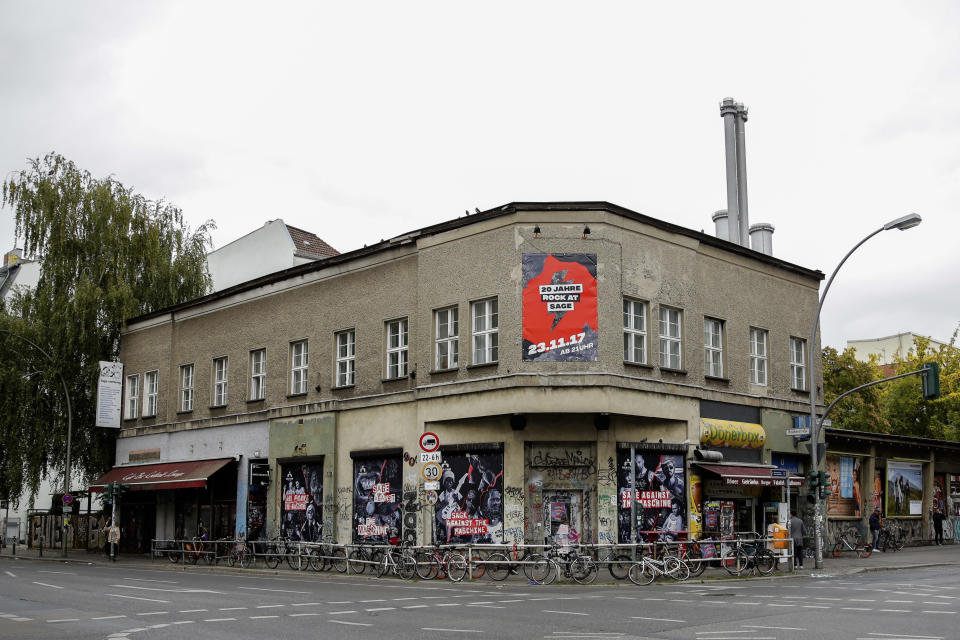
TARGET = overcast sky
x,y
360,121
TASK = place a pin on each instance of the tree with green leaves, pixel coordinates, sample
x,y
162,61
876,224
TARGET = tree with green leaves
x,y
106,254
860,411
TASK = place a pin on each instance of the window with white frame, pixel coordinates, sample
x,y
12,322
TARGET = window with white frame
x,y
670,338
635,331
219,381
758,356
150,388
186,387
798,359
486,331
713,347
133,396
397,348
258,374
299,364
346,358
447,330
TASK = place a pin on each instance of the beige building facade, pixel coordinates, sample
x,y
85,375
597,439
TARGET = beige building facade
x,y
568,357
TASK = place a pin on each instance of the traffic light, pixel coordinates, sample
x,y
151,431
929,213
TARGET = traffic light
x,y
930,379
825,485
813,480
114,489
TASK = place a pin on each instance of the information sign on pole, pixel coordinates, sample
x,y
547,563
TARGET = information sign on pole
x,y
429,442
431,456
431,471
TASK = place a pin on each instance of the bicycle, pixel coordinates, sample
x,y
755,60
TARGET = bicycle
x,y
361,556
892,537
324,555
647,569
617,563
399,562
691,554
240,553
434,564
571,562
749,554
862,549
501,564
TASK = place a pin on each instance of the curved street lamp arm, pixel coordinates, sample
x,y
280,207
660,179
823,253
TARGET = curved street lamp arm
x,y
860,388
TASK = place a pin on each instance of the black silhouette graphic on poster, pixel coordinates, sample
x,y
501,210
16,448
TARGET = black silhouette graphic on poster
x,y
470,504
301,501
377,487
660,495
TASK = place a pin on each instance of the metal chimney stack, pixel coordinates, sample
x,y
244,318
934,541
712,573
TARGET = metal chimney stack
x,y
734,116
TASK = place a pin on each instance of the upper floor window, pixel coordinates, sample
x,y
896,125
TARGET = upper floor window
x,y
670,338
186,387
635,331
299,362
486,328
758,356
397,348
258,375
133,396
713,347
150,388
219,381
448,339
346,358
798,359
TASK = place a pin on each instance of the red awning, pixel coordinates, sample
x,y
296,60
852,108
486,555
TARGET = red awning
x,y
737,476
167,475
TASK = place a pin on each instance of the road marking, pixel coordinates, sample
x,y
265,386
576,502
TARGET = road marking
x,y
447,604
415,606
233,608
452,630
569,613
860,600
108,617
44,584
758,626
192,610
371,600
149,613
21,619
117,595
270,606
897,635
750,603
184,622
335,613
773,604
663,599
894,610
149,580
486,606
262,617
65,620
856,609
65,573
300,615
399,599
900,601
947,612
517,600
10,574
382,609
274,590
658,619
358,624
219,619
306,604
351,601
815,606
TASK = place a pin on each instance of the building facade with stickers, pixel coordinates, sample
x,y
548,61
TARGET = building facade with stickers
x,y
568,360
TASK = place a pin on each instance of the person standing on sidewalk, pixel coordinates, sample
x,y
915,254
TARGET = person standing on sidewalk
x,y
938,525
876,523
112,532
796,532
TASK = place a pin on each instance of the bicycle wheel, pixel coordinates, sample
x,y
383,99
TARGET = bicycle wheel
x,y
498,567
456,567
339,560
641,574
530,563
315,559
174,556
765,561
355,560
428,567
837,550
619,566
676,568
696,562
729,561
741,562
291,553
273,556
479,567
864,550
383,566
408,567
551,573
584,570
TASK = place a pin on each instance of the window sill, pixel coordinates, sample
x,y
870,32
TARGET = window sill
x,y
149,417
717,379
185,412
803,391
676,372
638,365
297,395
483,364
345,387
217,406
440,372
257,400
397,379
130,419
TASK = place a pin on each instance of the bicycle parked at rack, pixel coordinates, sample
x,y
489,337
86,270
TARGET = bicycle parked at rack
x,y
193,551
747,554
398,562
648,569
501,564
568,560
851,539
439,563
892,538
361,556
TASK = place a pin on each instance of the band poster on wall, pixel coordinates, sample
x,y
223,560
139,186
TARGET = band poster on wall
x,y
660,493
560,307
904,488
377,487
846,493
470,504
301,501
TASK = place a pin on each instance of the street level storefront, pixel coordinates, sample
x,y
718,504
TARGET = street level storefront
x,y
905,477
199,495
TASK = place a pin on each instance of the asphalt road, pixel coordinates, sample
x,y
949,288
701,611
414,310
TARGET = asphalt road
x,y
103,602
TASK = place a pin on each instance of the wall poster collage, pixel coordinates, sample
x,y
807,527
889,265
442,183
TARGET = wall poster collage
x,y
560,307
659,484
904,488
377,493
301,501
470,504
846,495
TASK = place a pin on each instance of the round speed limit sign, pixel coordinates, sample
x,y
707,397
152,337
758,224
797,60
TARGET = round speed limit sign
x,y
431,471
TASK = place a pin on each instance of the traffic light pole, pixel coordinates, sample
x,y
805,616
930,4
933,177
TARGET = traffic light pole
x,y
113,520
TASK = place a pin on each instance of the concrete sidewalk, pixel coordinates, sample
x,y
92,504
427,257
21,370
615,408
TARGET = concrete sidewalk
x,y
847,564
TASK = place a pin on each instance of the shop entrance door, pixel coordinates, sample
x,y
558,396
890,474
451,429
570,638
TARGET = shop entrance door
x,y
564,509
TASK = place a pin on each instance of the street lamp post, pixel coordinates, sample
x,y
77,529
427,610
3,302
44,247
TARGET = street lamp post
x,y
903,223
66,395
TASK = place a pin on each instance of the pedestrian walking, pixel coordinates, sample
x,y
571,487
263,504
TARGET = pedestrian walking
x,y
876,523
111,537
797,532
938,525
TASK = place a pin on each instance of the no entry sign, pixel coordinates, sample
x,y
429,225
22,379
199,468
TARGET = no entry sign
x,y
429,442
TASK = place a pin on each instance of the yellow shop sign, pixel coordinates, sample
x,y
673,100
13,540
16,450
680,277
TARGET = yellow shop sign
x,y
727,433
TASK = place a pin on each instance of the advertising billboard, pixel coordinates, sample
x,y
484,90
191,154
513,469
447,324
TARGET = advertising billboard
x,y
845,498
904,489
560,307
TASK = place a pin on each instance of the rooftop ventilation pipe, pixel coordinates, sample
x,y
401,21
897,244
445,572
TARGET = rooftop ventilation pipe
x,y
761,238
728,111
722,224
